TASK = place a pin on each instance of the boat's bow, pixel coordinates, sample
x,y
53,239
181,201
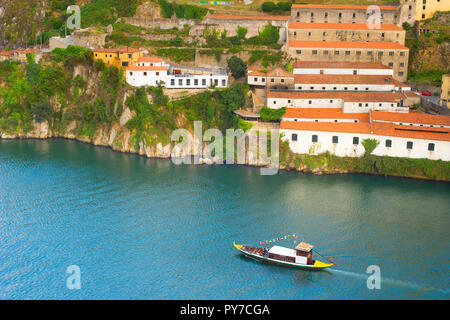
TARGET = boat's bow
x,y
237,246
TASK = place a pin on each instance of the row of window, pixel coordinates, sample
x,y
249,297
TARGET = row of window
x,y
340,15
196,82
388,142
340,33
145,73
358,53
334,88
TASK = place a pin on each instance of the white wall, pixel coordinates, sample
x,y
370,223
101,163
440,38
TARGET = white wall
x,y
256,80
345,147
196,81
143,77
344,71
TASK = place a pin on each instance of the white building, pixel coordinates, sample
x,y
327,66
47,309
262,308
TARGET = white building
x,y
348,102
146,76
341,68
409,135
152,71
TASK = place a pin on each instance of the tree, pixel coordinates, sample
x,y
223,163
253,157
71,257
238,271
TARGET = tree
x,y
237,66
268,6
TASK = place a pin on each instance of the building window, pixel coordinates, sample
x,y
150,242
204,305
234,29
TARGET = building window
x,y
263,79
180,82
272,80
402,54
314,138
391,53
336,52
195,82
335,139
131,73
400,73
294,137
369,53
391,64
224,83
203,82
188,82
298,51
172,82
388,143
282,80
409,145
157,73
256,79
325,52
402,64
309,34
358,53
129,56
347,53
314,52
145,73
431,147
355,140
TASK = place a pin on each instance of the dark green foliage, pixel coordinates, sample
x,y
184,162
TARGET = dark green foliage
x,y
268,114
241,32
268,6
41,111
166,8
237,66
276,8
182,11
104,12
177,54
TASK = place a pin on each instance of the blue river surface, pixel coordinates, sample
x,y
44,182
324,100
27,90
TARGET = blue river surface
x,y
143,228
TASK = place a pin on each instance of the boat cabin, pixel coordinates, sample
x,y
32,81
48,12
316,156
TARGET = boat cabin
x,y
304,253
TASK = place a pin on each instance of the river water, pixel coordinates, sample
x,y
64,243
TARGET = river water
x,y
147,229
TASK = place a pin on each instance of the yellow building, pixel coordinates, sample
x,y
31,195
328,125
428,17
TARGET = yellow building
x,y
425,9
445,90
120,57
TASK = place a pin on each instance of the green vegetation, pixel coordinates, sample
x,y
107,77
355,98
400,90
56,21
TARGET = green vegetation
x,y
182,11
266,57
177,54
237,66
104,12
277,8
369,145
430,76
273,115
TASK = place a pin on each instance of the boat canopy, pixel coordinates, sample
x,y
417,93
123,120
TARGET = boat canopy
x,y
282,251
305,247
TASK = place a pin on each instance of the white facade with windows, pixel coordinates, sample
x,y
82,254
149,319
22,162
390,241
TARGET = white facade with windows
x,y
338,71
302,142
146,76
191,81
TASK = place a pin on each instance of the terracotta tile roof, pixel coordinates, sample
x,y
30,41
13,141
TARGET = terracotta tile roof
x,y
247,17
338,65
425,133
346,44
150,59
278,72
146,68
346,96
324,113
324,6
342,26
378,128
257,74
411,117
343,79
349,127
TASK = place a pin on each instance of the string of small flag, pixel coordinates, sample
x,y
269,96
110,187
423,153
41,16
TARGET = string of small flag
x,y
278,239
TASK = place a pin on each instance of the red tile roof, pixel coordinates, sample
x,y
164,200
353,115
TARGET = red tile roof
x,y
342,26
386,128
411,117
278,72
351,7
346,96
338,65
146,68
346,44
247,17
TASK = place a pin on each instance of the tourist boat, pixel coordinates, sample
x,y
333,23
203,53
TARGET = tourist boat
x,y
301,257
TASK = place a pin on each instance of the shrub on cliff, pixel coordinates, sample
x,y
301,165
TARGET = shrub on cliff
x,y
369,145
272,115
237,66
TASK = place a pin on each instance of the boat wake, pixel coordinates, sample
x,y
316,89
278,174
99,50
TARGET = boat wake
x,y
391,282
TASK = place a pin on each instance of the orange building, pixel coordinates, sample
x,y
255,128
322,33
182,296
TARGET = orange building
x,y
119,57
